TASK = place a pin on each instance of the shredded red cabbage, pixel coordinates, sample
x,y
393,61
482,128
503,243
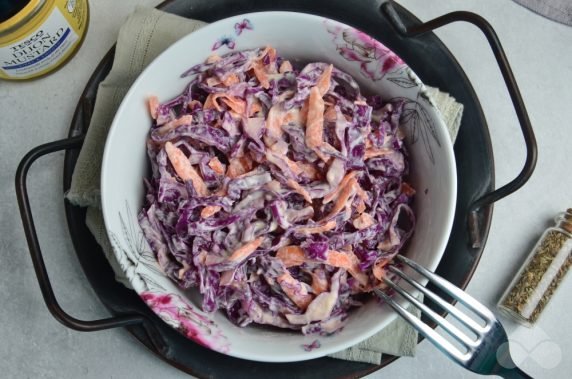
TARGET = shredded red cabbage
x,y
278,193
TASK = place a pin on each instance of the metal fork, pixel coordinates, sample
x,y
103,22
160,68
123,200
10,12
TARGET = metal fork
x,y
487,354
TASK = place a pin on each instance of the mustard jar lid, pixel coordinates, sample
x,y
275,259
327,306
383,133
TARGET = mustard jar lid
x,y
9,8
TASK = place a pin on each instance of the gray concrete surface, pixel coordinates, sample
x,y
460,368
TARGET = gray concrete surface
x,y
34,345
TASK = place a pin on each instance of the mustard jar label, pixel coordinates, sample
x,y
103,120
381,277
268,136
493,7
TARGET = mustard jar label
x,y
40,50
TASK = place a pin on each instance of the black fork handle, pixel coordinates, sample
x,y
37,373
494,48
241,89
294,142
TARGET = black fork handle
x,y
124,320
476,217
512,373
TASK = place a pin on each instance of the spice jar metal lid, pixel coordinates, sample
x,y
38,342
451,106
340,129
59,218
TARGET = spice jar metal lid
x,y
565,220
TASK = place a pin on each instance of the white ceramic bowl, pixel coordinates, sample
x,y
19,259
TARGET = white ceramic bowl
x,y
305,38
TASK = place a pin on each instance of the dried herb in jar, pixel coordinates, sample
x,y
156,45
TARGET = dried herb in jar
x,y
541,274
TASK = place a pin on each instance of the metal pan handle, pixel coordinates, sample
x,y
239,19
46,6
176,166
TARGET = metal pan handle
x,y
129,319
476,209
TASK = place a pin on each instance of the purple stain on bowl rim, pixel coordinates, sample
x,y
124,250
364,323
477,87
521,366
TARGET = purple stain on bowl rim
x,y
311,346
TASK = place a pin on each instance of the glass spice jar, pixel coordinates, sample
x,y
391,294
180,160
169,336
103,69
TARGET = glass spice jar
x,y
540,275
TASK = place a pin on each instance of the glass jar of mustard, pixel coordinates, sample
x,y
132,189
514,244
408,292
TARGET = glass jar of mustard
x,y
39,36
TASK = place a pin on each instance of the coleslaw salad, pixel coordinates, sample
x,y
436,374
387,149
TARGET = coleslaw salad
x,y
279,193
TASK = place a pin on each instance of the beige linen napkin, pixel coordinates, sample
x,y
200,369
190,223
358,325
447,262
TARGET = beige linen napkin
x,y
145,34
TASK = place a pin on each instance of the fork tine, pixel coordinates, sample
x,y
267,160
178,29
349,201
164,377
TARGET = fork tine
x,y
469,301
442,322
439,341
463,318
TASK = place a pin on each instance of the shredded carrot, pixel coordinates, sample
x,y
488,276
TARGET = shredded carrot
x,y
174,124
339,259
247,162
226,277
362,193
230,80
212,81
239,166
367,144
194,103
348,261
385,245
202,257
319,281
213,58
363,221
262,76
378,271
270,51
372,152
315,123
323,83
330,115
153,103
330,196
220,192
294,290
324,157
291,255
273,185
210,102
234,115
209,210
407,189
245,250
320,228
363,197
277,158
292,116
255,108
360,207
184,169
299,189
217,166
304,112
280,147
343,199
274,121
235,168
183,270
260,69
308,170
286,66
235,104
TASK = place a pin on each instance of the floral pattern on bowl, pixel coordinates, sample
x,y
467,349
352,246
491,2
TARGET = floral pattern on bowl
x,y
177,312
374,58
377,62
141,268
229,41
